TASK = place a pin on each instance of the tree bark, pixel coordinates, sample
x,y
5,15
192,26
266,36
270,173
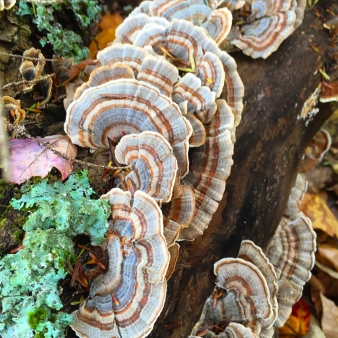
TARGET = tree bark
x,y
270,144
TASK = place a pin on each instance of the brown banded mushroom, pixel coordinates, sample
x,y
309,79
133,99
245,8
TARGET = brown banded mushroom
x,y
179,213
314,152
127,106
233,330
210,166
262,8
125,301
216,22
184,45
154,165
252,253
263,37
329,94
298,190
292,252
231,4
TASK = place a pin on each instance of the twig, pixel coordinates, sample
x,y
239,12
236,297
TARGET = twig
x,y
22,132
26,57
41,78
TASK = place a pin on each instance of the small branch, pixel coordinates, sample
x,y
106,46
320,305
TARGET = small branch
x,y
21,131
41,78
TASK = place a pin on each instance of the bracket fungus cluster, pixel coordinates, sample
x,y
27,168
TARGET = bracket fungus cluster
x,y
256,291
167,100
268,24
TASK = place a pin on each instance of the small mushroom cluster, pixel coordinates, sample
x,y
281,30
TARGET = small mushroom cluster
x,y
167,100
6,4
261,288
31,69
268,25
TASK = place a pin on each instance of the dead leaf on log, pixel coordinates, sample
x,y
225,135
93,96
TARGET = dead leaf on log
x,y
329,318
28,158
108,24
298,323
328,255
322,217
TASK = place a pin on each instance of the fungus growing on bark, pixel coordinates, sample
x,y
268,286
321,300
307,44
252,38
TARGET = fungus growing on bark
x,y
12,110
216,22
210,166
154,165
126,300
31,69
262,37
127,106
189,48
252,253
329,94
248,295
314,152
292,252
270,23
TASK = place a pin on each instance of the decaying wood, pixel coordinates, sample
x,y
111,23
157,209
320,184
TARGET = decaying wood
x,y
270,144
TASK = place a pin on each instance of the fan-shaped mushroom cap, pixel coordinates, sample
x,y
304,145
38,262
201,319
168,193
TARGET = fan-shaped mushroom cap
x,y
154,70
248,296
314,152
252,253
179,213
217,23
298,6
233,330
198,136
154,164
142,8
31,69
209,168
264,36
291,251
262,8
127,106
183,42
174,252
297,192
6,4
126,300
329,94
231,4
201,100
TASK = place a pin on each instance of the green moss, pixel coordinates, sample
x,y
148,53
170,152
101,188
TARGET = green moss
x,y
40,314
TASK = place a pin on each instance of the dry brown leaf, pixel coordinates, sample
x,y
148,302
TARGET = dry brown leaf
x,y
328,255
298,323
108,24
329,317
322,217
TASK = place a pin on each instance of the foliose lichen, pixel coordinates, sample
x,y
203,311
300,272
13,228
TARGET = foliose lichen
x,y
29,293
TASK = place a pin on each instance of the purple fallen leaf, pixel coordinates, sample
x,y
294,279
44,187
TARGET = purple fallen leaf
x,y
29,159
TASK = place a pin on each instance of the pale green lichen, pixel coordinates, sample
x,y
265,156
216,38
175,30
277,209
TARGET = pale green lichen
x,y
66,207
29,293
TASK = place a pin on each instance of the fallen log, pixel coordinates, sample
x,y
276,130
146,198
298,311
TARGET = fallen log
x,y
270,144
